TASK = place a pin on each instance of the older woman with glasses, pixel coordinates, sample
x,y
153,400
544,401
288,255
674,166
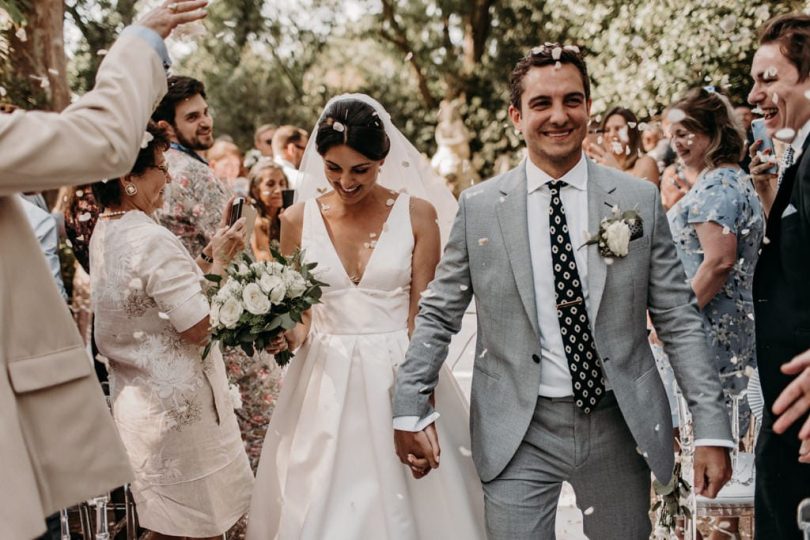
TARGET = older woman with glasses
x,y
171,407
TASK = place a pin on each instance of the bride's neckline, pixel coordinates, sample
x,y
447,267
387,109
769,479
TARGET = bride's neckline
x,y
376,240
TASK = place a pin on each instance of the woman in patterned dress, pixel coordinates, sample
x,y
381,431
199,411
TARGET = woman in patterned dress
x,y
171,407
718,227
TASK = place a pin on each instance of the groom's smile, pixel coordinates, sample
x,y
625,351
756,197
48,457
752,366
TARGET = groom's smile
x,y
553,117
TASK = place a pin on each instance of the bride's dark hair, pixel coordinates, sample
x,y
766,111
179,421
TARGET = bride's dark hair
x,y
354,123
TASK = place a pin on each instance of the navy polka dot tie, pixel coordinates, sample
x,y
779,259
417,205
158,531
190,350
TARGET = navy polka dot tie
x,y
580,350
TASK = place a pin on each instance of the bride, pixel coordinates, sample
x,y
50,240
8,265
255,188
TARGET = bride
x,y
328,467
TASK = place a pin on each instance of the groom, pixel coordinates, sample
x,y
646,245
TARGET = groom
x,y
565,387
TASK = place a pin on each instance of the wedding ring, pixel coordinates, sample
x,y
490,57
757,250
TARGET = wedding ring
x,y
172,8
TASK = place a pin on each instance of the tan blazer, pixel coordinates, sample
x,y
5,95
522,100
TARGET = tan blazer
x,y
58,444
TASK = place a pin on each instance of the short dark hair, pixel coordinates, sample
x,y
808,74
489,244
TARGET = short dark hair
x,y
792,33
286,135
108,192
633,134
180,89
354,123
546,55
710,113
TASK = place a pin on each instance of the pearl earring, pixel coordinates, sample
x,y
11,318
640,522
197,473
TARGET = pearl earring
x,y
131,190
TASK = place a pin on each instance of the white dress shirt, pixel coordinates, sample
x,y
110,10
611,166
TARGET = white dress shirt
x,y
290,171
798,141
555,377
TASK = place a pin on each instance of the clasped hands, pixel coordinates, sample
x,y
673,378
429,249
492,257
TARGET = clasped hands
x,y
419,450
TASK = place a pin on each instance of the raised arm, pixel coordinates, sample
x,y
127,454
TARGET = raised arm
x,y
98,136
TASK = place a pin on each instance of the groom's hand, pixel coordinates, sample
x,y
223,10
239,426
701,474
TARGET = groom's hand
x,y
418,449
712,470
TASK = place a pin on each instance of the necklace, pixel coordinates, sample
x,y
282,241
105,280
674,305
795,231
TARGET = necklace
x,y
113,214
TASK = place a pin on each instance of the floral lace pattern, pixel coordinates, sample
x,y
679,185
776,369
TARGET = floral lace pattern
x,y
724,196
172,409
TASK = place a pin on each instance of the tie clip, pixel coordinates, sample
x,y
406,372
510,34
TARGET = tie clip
x,y
569,303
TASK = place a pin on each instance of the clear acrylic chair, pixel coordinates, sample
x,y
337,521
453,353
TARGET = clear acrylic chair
x,y
736,498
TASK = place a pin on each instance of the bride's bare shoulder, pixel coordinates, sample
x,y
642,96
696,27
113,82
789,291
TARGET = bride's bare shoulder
x,y
422,212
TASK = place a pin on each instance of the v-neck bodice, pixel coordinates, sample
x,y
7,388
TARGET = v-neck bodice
x,y
379,302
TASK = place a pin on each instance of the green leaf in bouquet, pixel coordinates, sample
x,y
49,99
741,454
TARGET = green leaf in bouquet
x,y
287,321
283,358
214,278
248,348
207,349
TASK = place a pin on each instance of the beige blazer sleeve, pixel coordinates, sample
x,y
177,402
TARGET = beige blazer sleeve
x,y
96,137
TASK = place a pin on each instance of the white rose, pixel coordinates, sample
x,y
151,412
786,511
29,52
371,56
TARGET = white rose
x,y
275,267
258,268
617,235
296,284
255,300
214,315
269,282
278,293
232,289
230,312
243,269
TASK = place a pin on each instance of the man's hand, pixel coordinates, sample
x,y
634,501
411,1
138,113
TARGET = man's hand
x,y
165,18
712,470
794,401
419,450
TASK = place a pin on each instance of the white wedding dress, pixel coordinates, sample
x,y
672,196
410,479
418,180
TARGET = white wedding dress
x,y
328,467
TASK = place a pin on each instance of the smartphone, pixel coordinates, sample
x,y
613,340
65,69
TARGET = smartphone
x,y
287,197
236,210
759,133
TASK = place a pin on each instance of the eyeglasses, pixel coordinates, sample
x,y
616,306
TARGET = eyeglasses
x,y
162,168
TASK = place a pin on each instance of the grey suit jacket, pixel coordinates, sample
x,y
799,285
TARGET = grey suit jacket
x,y
488,258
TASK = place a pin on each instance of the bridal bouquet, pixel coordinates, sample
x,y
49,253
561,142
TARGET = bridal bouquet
x,y
257,301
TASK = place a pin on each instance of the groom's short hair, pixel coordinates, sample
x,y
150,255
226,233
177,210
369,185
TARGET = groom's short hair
x,y
548,54
792,33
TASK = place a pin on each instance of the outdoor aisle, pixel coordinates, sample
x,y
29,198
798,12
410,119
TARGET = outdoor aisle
x,y
460,356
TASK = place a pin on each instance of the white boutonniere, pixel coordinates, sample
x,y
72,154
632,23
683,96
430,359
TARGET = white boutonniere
x,y
615,233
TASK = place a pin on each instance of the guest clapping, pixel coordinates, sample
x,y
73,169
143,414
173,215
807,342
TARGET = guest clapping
x,y
267,180
172,409
621,146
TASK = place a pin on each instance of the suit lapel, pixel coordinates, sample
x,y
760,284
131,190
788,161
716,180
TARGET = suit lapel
x,y
600,201
513,221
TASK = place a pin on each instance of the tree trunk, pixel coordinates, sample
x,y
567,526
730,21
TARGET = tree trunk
x,y
38,54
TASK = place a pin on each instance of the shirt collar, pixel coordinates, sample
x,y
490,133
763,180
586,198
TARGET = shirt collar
x,y
180,148
800,138
576,177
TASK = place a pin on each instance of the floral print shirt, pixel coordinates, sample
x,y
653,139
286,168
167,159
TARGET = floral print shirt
x,y
193,201
724,196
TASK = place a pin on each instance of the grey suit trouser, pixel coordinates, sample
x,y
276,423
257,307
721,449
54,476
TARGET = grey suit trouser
x,y
595,453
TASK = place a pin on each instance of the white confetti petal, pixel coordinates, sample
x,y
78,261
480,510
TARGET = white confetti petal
x,y
463,287
556,52
675,115
138,335
162,315
86,216
389,202
21,34
483,353
766,240
785,134
464,451
102,52
483,241
726,230
588,511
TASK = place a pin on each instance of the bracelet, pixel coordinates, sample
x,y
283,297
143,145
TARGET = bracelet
x,y
206,258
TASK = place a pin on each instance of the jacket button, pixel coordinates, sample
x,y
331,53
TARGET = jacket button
x,y
536,359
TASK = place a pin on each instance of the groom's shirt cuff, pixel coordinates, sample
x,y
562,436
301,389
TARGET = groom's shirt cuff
x,y
413,423
714,442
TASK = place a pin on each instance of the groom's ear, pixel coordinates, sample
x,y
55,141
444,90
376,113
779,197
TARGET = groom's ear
x,y
514,115
588,106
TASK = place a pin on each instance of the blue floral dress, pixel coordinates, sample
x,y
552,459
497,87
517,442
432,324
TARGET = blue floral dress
x,y
724,196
